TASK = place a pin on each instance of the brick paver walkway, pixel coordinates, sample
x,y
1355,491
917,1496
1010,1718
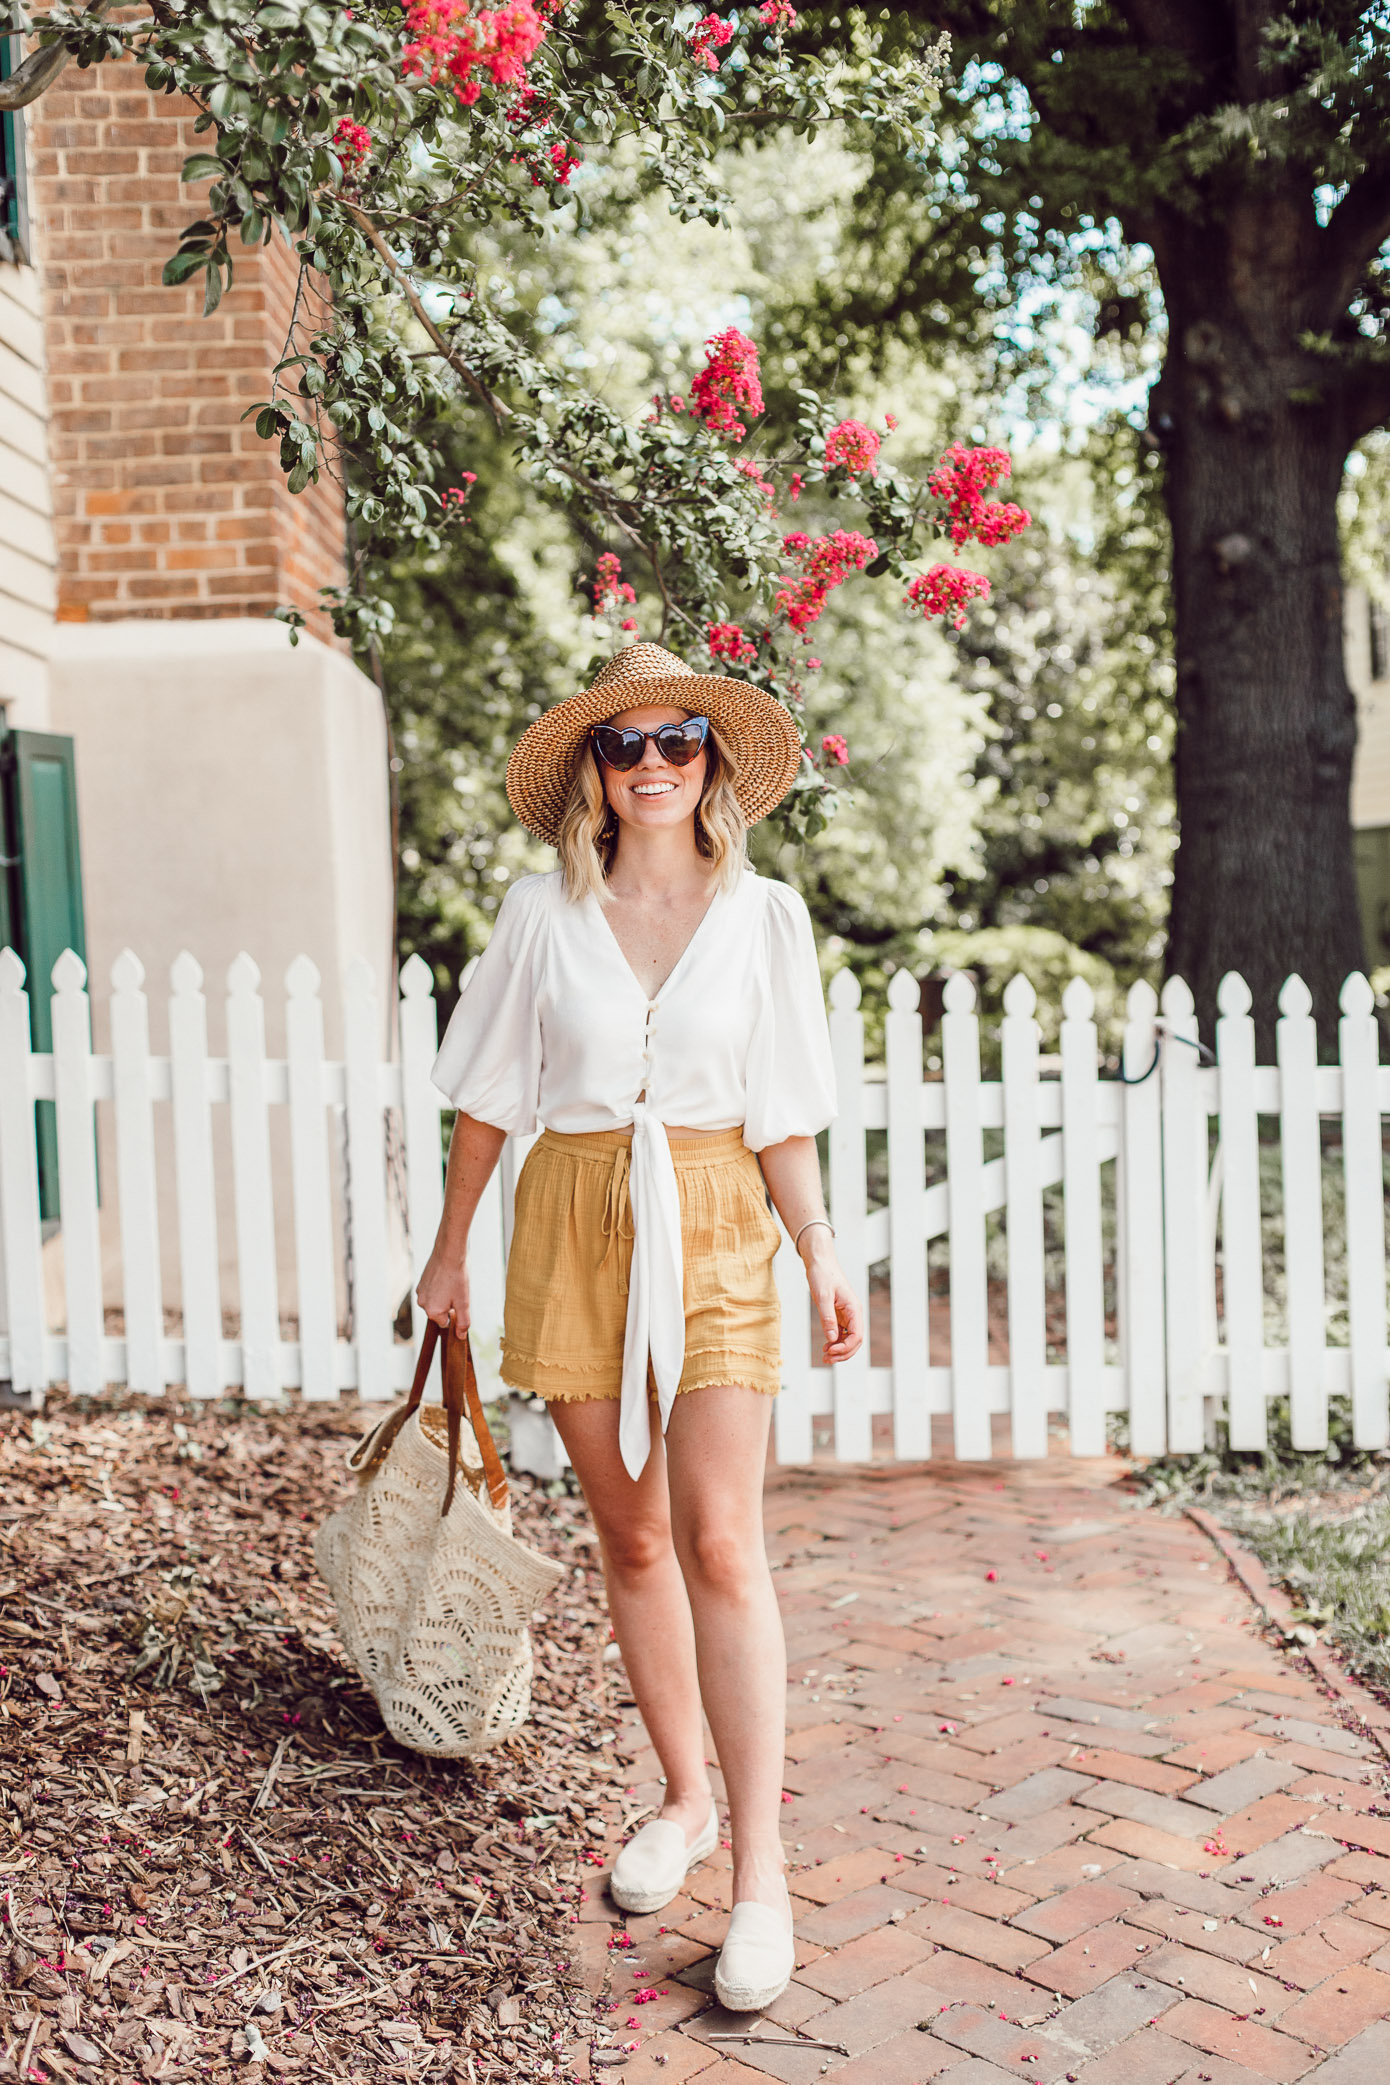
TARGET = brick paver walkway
x,y
1057,1811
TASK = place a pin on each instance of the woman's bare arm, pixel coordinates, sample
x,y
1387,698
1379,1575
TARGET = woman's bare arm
x,y
474,1149
792,1172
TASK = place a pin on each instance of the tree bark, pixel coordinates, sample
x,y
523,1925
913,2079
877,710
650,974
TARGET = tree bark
x,y
1256,434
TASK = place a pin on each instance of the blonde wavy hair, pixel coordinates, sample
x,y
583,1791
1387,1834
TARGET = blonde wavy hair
x,y
589,830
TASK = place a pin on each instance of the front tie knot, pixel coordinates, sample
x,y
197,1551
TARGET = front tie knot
x,y
617,1218
655,1329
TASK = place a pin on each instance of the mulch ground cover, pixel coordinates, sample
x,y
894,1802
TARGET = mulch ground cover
x,y
212,1859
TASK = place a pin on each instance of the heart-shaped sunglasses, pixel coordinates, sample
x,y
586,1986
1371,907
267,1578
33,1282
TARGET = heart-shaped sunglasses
x,y
623,749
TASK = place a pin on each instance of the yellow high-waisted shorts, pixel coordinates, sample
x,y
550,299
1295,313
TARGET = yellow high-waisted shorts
x,y
571,1251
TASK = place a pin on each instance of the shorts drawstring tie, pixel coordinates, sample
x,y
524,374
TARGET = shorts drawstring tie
x,y
617,1221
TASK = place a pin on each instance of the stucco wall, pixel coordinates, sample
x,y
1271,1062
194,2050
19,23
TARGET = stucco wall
x,y
233,794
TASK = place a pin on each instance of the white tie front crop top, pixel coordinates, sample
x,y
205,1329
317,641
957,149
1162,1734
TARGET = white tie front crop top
x,y
554,1027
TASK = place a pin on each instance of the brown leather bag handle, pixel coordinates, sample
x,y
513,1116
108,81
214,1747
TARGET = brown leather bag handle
x,y
460,1396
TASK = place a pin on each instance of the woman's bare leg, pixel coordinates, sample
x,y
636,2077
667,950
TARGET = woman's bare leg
x,y
647,1599
716,1448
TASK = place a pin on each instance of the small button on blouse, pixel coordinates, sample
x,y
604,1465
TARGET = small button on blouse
x,y
554,1027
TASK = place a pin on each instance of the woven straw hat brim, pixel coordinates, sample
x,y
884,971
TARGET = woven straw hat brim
x,y
755,726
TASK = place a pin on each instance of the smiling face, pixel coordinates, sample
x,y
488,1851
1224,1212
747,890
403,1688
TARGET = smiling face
x,y
654,793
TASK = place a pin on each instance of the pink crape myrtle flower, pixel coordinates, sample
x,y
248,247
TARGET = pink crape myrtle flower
x,y
708,36
351,143
528,111
454,499
563,163
824,562
728,380
449,40
944,591
854,445
777,15
753,471
728,641
835,748
608,586
960,481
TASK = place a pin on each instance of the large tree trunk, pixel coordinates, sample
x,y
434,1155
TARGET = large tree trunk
x,y
1264,881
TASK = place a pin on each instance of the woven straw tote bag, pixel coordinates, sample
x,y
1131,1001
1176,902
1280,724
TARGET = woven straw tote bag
x,y
434,1600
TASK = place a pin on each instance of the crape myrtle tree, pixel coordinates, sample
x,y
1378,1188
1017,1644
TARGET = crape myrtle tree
x,y
1238,153
382,139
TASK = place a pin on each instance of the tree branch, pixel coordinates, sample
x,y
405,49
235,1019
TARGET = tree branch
x,y
501,412
36,74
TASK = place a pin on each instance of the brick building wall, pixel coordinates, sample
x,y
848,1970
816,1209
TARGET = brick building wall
x,y
166,504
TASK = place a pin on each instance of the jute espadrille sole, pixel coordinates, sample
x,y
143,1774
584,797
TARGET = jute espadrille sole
x,y
756,1961
650,1891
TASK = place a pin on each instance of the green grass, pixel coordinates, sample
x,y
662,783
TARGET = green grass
x,y
1319,1523
1335,1561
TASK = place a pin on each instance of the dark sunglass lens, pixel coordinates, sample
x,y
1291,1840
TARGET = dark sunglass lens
x,y
619,749
679,743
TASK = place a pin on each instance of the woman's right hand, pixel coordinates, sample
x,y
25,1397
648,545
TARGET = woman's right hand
x,y
442,1293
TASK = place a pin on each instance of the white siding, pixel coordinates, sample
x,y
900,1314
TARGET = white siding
x,y
28,561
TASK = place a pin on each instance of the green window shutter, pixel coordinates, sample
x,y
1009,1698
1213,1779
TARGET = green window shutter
x,y
11,171
38,781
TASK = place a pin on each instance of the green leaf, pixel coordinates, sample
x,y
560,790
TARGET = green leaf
x,y
180,266
212,294
298,477
202,166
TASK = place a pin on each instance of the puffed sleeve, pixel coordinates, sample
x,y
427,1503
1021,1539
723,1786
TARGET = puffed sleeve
x,y
489,1063
791,1079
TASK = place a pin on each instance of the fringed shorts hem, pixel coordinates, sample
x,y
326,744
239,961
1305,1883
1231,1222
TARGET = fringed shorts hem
x,y
571,1255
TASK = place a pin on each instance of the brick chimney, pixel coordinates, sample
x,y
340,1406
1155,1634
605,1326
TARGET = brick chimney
x,y
166,503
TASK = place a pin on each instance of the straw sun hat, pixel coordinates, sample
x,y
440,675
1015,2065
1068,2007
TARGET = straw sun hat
x,y
754,725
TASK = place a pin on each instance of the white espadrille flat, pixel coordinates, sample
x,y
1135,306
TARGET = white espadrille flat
x,y
655,1862
757,1959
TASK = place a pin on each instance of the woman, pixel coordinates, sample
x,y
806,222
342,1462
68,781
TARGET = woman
x,y
657,1006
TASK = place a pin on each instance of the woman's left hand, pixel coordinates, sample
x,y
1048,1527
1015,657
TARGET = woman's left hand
x,y
840,1312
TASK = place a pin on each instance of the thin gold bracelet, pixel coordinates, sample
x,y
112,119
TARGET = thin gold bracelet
x,y
809,1224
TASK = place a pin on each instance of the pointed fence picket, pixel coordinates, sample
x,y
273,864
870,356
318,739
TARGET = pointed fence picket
x,y
1242,1265
372,1328
1026,1271
1363,1177
965,1161
1185,1246
849,1207
1139,1283
22,1082
133,1105
249,1108
1081,1188
1023,1218
200,1282
77,1169
1300,1143
309,1165
907,1221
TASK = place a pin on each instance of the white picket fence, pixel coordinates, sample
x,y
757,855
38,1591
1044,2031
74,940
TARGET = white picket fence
x,y
1165,1321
